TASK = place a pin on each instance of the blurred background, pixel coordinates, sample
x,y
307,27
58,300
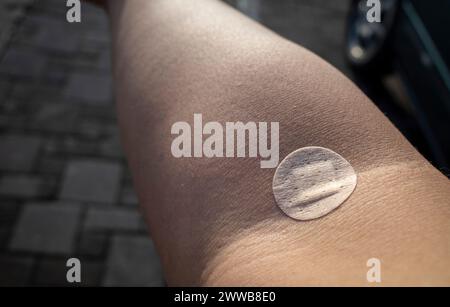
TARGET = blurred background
x,y
65,190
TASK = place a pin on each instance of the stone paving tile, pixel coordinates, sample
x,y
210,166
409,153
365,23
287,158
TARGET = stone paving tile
x,y
74,145
54,8
95,16
22,63
22,187
338,6
12,121
128,196
5,233
46,228
91,89
111,147
6,26
91,273
53,165
49,33
55,117
54,75
51,146
92,244
105,61
52,272
9,212
18,152
96,43
30,92
102,114
10,12
15,271
91,181
4,121
90,129
133,261
113,219
4,90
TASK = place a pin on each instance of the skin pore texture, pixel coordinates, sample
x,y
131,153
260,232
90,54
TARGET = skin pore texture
x,y
215,221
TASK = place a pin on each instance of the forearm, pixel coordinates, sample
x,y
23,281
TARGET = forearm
x,y
213,216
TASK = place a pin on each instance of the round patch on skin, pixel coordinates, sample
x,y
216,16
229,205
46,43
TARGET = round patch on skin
x,y
311,182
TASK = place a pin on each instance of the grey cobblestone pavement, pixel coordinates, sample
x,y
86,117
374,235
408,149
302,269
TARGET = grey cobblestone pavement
x,y
64,187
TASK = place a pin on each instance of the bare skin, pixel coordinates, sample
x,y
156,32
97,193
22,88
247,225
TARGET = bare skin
x,y
214,221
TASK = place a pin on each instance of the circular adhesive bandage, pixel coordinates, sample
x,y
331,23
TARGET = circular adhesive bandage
x,y
311,182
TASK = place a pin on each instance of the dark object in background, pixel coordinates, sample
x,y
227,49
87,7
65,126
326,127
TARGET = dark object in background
x,y
412,38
